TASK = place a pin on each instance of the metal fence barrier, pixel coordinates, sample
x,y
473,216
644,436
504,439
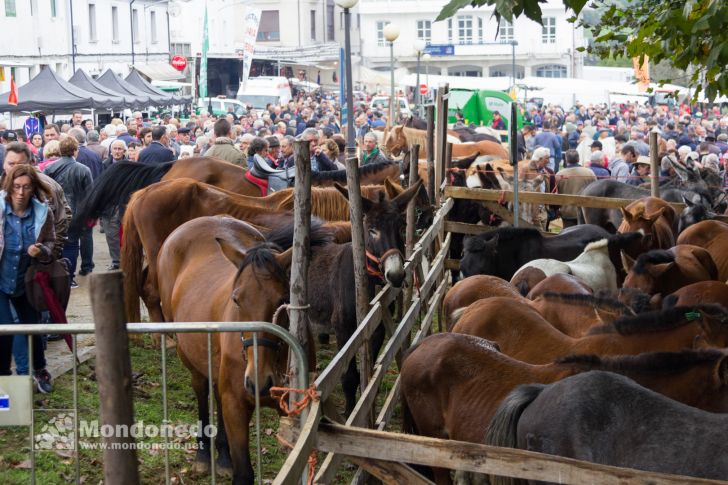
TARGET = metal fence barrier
x,y
75,329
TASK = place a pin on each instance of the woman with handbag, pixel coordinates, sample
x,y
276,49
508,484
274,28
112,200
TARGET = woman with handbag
x,y
27,234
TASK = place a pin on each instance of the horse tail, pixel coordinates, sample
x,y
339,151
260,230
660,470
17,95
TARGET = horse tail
x,y
112,189
454,317
132,261
503,428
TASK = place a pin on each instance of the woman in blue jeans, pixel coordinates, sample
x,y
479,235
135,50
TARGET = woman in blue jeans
x,y
27,234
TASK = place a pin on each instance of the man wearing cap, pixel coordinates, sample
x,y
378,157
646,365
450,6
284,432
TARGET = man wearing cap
x,y
640,171
274,151
184,137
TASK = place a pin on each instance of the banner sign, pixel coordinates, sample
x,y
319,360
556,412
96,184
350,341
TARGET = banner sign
x,y
252,21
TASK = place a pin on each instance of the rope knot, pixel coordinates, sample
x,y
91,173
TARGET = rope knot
x,y
281,393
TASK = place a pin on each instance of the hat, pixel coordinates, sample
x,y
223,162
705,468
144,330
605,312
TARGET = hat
x,y
642,160
273,141
10,135
596,144
183,131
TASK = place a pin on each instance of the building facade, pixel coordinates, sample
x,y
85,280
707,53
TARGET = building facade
x,y
93,35
472,43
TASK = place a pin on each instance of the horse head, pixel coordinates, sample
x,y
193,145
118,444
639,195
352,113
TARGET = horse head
x,y
259,289
479,255
692,214
384,230
396,141
647,270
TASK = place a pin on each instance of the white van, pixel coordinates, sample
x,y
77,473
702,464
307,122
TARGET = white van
x,y
260,91
382,103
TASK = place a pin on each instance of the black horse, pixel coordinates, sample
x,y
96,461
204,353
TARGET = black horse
x,y
465,133
636,427
503,251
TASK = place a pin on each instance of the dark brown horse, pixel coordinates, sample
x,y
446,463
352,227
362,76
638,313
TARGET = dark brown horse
x,y
713,237
522,333
702,292
221,269
452,384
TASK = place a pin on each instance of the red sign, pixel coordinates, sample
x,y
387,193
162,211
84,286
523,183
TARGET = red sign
x,y
179,62
423,88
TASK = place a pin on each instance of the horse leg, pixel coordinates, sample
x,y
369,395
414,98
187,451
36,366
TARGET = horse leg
x,y
202,459
224,462
236,413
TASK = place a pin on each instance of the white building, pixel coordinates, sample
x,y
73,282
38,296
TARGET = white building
x,y
93,35
542,51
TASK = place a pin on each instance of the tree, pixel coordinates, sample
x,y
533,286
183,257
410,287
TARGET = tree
x,y
690,35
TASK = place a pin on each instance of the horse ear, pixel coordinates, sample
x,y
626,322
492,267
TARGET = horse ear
x,y
699,342
625,214
627,261
653,217
404,198
234,252
285,258
658,270
723,370
343,190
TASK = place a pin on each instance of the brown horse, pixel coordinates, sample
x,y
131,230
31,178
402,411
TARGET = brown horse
x,y
655,218
154,212
713,237
211,273
472,289
522,333
661,272
401,138
702,292
452,384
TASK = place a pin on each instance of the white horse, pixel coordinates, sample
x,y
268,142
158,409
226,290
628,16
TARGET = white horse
x,y
592,265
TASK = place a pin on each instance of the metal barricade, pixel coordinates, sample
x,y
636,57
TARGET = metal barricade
x,y
76,329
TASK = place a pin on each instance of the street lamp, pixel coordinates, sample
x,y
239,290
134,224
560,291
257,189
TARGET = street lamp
x,y
419,46
427,58
391,32
347,5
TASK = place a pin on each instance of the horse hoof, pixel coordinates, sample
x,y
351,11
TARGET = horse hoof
x,y
201,467
224,471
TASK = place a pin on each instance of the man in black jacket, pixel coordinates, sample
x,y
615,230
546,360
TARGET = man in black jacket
x,y
157,152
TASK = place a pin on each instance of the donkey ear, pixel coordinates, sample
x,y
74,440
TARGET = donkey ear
x,y
627,261
392,189
366,204
235,252
404,198
343,190
285,258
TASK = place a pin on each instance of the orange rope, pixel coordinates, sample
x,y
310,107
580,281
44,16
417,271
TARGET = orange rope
x,y
309,395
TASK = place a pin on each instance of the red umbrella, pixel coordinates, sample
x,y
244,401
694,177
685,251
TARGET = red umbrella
x,y
58,315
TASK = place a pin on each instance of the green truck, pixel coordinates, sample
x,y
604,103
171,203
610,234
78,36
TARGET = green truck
x,y
477,107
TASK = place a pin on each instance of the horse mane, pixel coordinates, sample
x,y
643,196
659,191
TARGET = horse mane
x,y
596,245
660,320
261,256
648,363
327,203
113,188
282,234
376,167
594,300
656,256
415,136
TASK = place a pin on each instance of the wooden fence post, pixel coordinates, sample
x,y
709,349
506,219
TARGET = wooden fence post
x,y
431,153
113,374
654,165
301,244
411,222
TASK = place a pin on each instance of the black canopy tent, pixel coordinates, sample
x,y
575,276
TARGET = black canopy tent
x,y
82,80
110,80
49,93
136,80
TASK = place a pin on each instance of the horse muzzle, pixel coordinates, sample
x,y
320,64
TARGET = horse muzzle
x,y
393,268
265,386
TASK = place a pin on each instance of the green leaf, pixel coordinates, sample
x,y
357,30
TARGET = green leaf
x,y
451,8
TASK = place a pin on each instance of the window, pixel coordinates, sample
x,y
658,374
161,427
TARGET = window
x,y
115,24
10,8
551,70
182,49
53,8
268,29
505,31
135,25
313,24
548,30
153,25
380,32
480,29
465,29
424,30
329,23
92,23
449,30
